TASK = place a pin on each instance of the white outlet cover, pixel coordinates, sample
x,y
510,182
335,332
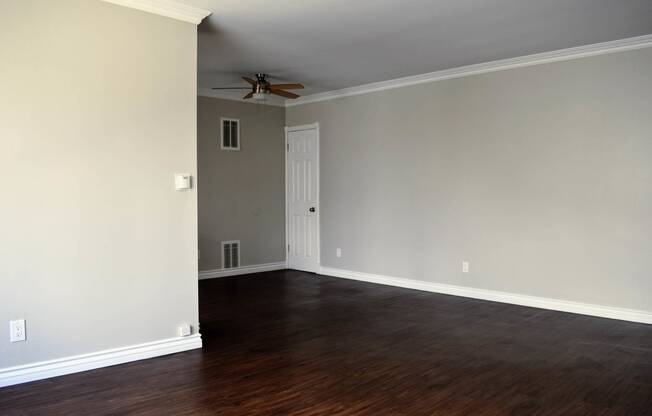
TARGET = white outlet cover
x,y
17,330
338,252
184,330
465,267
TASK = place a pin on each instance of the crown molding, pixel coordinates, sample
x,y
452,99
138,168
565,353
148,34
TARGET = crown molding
x,y
207,92
483,68
168,8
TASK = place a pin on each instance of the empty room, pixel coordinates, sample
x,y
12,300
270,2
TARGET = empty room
x,y
326,208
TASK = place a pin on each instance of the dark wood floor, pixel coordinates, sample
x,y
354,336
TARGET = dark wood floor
x,y
289,343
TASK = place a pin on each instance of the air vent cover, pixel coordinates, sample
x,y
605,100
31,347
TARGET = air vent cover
x,y
230,254
230,134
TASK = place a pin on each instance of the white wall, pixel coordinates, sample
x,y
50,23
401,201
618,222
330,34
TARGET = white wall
x,y
539,176
97,112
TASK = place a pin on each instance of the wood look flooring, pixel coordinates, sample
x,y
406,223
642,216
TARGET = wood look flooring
x,y
290,343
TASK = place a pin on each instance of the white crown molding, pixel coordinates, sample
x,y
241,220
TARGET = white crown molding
x,y
496,296
78,363
258,268
483,68
167,8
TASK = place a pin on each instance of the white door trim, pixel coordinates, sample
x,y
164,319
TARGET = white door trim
x,y
312,126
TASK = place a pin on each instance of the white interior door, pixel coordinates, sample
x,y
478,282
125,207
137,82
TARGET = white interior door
x,y
302,169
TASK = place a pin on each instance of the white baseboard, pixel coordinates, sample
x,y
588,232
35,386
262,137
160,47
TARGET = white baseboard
x,y
257,268
78,363
504,297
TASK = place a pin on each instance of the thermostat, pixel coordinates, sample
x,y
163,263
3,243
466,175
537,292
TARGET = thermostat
x,y
182,181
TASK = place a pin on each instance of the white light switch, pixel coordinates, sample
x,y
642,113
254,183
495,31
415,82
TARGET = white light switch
x,y
182,181
17,330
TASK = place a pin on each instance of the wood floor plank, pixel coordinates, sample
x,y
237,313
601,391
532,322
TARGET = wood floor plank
x,y
292,343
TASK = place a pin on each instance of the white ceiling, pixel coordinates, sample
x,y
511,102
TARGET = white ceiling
x,y
333,44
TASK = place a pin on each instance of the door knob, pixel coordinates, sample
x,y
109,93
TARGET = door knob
x,y
312,209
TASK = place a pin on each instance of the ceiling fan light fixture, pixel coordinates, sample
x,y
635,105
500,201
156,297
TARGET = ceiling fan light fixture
x,y
261,88
260,96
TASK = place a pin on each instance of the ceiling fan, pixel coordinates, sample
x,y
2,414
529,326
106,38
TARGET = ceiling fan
x,y
261,88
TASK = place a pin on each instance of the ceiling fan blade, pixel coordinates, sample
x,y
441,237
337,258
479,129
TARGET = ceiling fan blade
x,y
246,97
285,94
286,86
249,80
231,88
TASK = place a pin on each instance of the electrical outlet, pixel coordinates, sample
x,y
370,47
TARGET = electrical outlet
x,y
465,267
338,252
17,330
184,330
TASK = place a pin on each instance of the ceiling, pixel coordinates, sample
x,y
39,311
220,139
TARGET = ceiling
x,y
333,44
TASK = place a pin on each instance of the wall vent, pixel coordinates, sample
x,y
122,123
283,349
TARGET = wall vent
x,y
230,134
230,254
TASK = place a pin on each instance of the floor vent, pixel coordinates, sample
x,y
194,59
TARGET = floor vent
x,y
230,254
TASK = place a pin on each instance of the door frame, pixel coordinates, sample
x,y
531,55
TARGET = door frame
x,y
288,129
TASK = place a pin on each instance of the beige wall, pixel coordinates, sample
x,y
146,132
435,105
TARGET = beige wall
x,y
97,113
541,177
242,194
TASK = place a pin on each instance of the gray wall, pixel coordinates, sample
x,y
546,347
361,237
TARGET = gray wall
x,y
541,177
242,194
97,113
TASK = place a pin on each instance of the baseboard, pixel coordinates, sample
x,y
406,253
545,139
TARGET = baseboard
x,y
75,364
496,296
257,268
